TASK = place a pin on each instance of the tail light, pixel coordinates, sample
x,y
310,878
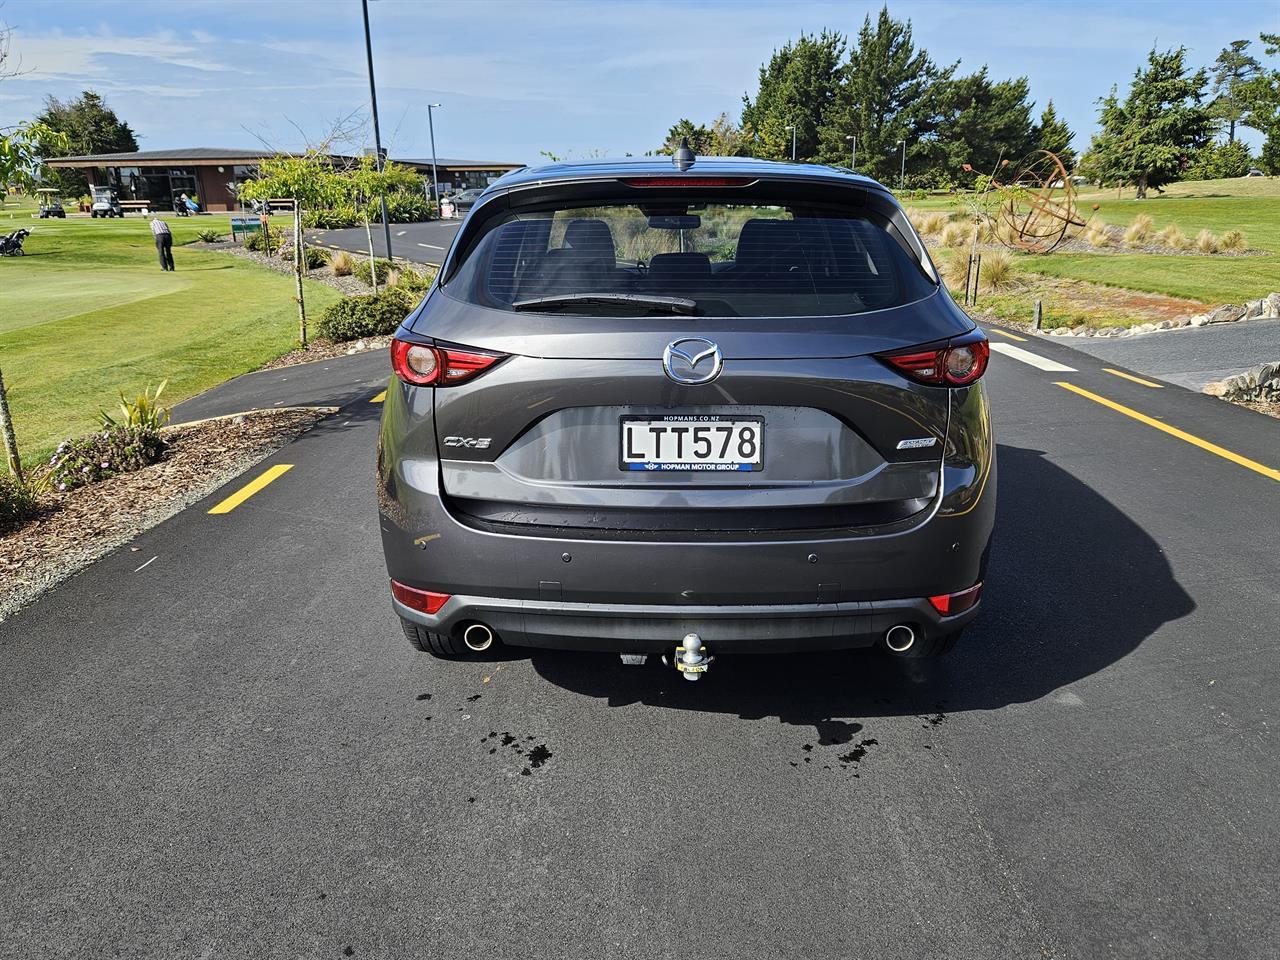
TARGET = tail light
x,y
422,600
425,366
949,604
956,363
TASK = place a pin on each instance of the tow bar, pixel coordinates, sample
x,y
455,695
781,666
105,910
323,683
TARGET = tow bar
x,y
691,657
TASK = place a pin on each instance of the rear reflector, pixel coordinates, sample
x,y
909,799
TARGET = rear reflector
x,y
949,604
425,366
423,600
688,181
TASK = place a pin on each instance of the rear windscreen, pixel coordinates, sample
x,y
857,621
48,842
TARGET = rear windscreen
x,y
710,259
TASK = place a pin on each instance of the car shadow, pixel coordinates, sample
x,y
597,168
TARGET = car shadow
x,y
1073,586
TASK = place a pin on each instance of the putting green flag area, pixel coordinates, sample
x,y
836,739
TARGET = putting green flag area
x,y
88,314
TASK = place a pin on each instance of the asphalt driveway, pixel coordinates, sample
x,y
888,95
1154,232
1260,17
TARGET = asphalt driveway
x,y
231,751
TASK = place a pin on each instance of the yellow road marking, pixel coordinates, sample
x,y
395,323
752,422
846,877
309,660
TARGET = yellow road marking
x,y
379,398
1175,432
252,487
1005,333
1130,376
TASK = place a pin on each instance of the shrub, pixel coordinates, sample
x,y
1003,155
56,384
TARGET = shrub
x,y
258,239
1138,231
340,264
362,271
414,282
209,236
953,269
100,455
1233,240
1173,238
954,235
18,502
1206,242
143,412
315,258
367,316
343,215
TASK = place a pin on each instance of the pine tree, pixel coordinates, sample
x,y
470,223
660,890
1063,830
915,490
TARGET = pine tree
x,y
883,99
1233,68
983,123
1147,138
1260,98
797,87
1053,134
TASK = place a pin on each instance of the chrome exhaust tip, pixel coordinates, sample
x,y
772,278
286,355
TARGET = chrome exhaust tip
x,y
478,638
900,639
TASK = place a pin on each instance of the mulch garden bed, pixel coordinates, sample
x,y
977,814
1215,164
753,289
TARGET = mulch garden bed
x,y
82,525
321,349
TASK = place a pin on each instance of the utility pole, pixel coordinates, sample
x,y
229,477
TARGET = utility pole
x,y
435,180
853,151
792,128
902,177
377,135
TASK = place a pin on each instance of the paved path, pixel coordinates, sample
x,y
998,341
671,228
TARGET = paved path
x,y
232,752
1191,356
420,242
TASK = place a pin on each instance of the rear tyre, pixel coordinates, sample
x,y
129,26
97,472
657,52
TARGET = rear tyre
x,y
437,644
926,647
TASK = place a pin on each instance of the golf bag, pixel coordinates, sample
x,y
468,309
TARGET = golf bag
x,y
11,245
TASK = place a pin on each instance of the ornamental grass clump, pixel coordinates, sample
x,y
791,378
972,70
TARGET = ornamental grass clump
x,y
1136,234
997,271
18,502
1206,242
340,264
1097,235
954,235
1233,240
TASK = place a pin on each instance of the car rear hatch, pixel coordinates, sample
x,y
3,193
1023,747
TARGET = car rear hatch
x,y
766,406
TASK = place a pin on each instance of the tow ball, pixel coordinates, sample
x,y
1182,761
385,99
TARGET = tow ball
x,y
691,657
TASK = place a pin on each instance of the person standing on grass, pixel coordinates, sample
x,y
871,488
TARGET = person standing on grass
x,y
164,243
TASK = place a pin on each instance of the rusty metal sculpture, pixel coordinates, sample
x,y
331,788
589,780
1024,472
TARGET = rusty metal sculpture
x,y
1038,205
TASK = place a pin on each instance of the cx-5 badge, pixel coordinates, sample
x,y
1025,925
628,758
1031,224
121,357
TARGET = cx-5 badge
x,y
681,359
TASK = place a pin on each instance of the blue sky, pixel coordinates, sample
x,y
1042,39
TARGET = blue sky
x,y
519,76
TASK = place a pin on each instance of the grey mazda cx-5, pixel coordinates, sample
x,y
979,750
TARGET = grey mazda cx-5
x,y
688,406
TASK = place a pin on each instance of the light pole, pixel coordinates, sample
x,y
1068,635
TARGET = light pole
x,y
853,151
377,135
902,177
435,182
792,128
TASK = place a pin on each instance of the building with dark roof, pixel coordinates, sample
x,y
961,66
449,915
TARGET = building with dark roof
x,y
211,174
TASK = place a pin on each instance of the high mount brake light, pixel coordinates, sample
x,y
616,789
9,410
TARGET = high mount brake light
x,y
957,363
424,366
688,181
949,604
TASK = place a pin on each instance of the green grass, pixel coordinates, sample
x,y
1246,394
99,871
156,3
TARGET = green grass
x,y
1249,204
88,313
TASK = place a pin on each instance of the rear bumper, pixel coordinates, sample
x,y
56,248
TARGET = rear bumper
x,y
647,628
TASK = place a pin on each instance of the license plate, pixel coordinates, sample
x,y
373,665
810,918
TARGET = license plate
x,y
692,443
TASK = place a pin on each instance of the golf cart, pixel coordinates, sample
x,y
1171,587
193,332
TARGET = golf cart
x,y
105,203
50,204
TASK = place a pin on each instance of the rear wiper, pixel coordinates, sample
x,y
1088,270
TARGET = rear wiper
x,y
669,304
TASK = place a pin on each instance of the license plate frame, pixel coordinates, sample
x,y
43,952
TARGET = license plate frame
x,y
691,465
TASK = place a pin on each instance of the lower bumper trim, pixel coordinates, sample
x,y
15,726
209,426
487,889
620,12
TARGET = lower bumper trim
x,y
636,628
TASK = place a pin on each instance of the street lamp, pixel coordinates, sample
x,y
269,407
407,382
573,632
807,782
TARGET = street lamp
x,y
435,180
902,177
377,136
792,128
853,151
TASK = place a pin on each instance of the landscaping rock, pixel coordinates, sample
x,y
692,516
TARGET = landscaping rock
x,y
1199,320
1145,328
1228,313
1260,383
1252,309
1271,306
1166,325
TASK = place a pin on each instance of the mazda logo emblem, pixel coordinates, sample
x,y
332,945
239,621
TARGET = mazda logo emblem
x,y
682,360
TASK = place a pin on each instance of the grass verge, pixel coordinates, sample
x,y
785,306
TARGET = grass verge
x,y
88,313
